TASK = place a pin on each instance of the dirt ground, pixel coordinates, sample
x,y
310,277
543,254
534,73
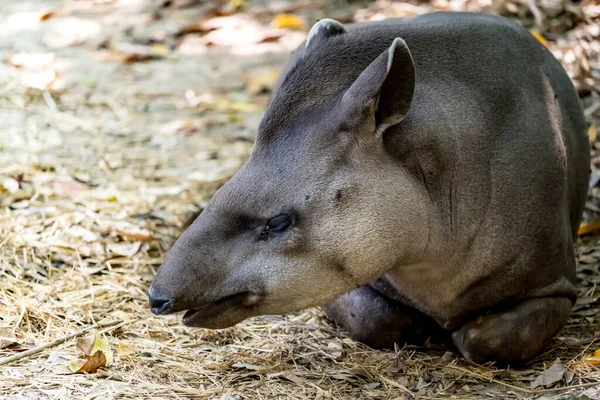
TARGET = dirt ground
x,y
118,121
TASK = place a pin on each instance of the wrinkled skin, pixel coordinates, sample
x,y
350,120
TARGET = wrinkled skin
x,y
412,186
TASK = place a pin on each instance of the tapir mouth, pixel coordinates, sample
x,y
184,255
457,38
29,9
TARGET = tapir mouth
x,y
198,316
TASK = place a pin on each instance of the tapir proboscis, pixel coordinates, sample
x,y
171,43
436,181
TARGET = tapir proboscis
x,y
415,177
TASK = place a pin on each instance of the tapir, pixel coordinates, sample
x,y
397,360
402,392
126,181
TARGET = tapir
x,y
415,177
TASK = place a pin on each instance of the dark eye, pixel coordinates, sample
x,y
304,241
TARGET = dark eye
x,y
277,224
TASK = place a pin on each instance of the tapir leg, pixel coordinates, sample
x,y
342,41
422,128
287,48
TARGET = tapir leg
x,y
379,322
515,334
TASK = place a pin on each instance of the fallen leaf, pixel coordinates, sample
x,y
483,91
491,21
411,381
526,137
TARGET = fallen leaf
x,y
592,132
250,367
135,234
7,337
595,358
422,383
288,21
335,349
554,374
588,227
9,184
46,15
124,249
91,344
56,358
85,344
93,362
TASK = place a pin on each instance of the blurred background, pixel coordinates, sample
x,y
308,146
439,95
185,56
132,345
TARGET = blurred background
x,y
118,121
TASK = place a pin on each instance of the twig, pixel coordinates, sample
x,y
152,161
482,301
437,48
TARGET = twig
x,y
588,112
537,14
490,379
58,341
522,389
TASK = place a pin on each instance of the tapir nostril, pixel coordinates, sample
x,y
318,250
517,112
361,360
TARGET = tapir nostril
x,y
159,304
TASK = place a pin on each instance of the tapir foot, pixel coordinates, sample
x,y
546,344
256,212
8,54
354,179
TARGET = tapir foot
x,y
379,322
515,334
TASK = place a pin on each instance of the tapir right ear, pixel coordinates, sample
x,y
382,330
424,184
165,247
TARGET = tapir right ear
x,y
323,29
384,90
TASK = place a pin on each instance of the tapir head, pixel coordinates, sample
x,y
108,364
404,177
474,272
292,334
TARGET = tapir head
x,y
319,208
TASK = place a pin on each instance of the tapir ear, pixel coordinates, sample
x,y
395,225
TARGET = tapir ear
x,y
385,88
323,29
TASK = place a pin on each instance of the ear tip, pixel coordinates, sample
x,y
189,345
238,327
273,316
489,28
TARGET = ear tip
x,y
398,42
325,28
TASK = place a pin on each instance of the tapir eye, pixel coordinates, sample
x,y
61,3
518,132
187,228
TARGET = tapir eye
x,y
277,224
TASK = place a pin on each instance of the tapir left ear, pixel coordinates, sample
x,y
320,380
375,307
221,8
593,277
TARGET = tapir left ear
x,y
385,88
322,30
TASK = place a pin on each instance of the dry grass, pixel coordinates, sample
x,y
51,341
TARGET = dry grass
x,y
101,167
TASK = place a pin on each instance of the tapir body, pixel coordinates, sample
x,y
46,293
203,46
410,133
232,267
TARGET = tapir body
x,y
414,176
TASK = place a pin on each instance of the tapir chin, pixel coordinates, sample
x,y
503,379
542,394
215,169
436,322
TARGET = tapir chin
x,y
414,177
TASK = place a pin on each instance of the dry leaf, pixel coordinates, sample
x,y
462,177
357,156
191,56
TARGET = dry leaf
x,y
592,132
93,362
124,249
56,358
588,227
595,358
335,349
9,184
288,21
46,15
96,352
7,337
554,374
250,367
135,233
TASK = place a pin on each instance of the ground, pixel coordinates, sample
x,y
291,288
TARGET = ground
x,y
118,121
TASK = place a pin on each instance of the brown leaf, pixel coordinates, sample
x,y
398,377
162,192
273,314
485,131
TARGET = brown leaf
x,y
7,337
93,362
91,344
46,15
135,234
588,227
85,344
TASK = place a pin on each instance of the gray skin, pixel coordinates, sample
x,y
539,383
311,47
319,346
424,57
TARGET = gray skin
x,y
416,176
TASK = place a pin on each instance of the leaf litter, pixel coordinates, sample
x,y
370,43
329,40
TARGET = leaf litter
x,y
119,120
